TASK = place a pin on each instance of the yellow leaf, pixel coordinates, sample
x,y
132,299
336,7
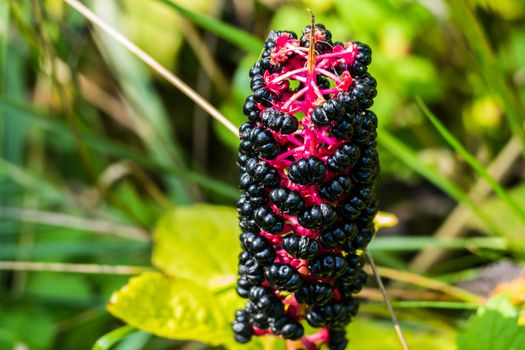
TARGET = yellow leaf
x,y
176,309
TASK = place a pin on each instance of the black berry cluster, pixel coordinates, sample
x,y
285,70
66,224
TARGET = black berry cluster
x,y
308,164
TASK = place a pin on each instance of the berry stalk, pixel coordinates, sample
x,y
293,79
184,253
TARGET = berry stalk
x,y
308,166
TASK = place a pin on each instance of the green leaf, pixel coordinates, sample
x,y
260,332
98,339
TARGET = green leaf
x,y
494,327
473,162
176,308
198,242
235,36
109,339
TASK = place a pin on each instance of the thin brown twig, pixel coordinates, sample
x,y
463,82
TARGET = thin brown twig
x,y
311,49
386,299
152,63
69,221
72,268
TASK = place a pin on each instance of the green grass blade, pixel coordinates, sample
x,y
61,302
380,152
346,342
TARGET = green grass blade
x,y
237,37
142,100
473,162
491,70
457,305
414,243
391,144
109,339
134,341
33,183
57,128
52,250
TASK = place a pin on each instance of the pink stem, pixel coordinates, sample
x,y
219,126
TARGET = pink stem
x,y
328,74
330,91
328,140
317,91
295,97
288,153
334,55
287,75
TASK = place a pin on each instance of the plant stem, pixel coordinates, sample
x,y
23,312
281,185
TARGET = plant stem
x,y
389,306
153,64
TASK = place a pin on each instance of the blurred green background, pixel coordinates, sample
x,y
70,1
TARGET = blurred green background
x,y
95,147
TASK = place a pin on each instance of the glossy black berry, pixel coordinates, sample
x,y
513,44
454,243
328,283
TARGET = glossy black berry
x,y
365,233
364,175
266,302
286,200
247,224
259,247
337,340
262,95
257,140
333,109
351,207
288,328
251,271
244,208
343,129
345,157
255,70
362,60
317,216
268,220
334,315
260,320
257,82
355,261
334,189
328,266
278,121
301,247
243,287
307,171
337,236
349,285
283,276
323,42
250,109
363,92
263,172
314,294
241,327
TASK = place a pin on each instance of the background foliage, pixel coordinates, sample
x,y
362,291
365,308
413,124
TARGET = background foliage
x,y
102,164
